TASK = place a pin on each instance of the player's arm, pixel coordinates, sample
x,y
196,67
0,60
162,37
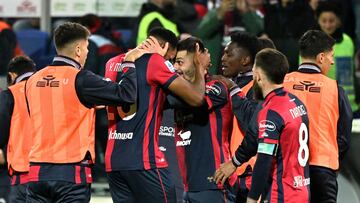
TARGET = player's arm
x,y
344,123
242,107
268,139
249,145
6,110
192,93
245,151
94,90
217,95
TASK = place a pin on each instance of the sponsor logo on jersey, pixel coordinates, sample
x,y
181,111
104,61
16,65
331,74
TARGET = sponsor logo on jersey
x,y
185,136
167,131
115,67
162,148
113,135
266,125
214,89
170,66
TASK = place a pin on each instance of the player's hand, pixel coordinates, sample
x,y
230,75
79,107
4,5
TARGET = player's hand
x,y
225,170
2,157
229,83
152,45
201,59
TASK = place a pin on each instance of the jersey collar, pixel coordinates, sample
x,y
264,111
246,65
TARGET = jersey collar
x,y
273,93
309,67
67,61
23,76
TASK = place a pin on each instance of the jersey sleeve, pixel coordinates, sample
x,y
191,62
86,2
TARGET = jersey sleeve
x,y
160,71
270,125
216,94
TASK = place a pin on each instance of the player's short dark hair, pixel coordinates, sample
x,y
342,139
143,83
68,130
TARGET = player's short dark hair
x,y
314,42
68,33
21,65
165,35
273,63
248,42
189,45
266,43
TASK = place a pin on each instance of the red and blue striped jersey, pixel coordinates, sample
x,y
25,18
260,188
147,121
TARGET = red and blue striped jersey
x,y
283,133
134,130
202,138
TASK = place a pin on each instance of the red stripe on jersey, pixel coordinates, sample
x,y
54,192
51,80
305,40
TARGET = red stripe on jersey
x,y
180,154
24,178
110,145
13,179
270,141
214,140
147,130
34,173
111,72
88,175
77,175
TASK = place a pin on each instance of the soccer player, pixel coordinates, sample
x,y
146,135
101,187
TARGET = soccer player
x,y
61,100
15,127
329,113
202,133
137,169
237,62
281,171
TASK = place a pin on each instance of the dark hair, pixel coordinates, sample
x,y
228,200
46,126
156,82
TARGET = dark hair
x,y
329,6
314,42
248,42
273,63
189,45
266,43
161,33
68,33
91,21
21,65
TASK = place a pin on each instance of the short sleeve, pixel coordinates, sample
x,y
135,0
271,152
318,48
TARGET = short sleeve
x,y
270,125
216,94
160,71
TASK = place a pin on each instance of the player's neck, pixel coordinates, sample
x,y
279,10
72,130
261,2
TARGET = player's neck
x,y
269,88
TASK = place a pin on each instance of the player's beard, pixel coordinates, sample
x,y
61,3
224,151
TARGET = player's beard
x,y
258,91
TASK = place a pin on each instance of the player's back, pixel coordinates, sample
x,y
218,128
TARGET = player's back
x,y
133,143
290,172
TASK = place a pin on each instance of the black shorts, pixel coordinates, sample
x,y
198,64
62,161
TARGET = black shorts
x,y
58,191
323,185
213,196
18,193
139,186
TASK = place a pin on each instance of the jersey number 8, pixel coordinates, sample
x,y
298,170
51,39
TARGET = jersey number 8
x,y
303,154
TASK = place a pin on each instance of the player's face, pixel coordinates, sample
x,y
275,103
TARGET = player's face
x,y
82,51
184,65
328,22
231,61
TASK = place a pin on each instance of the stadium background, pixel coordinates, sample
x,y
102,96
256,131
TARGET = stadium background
x,y
44,15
